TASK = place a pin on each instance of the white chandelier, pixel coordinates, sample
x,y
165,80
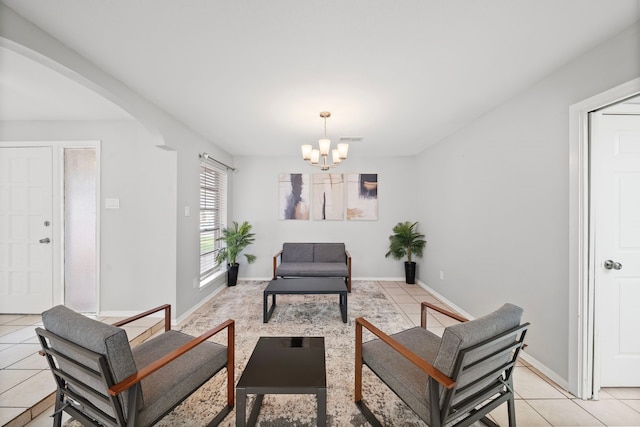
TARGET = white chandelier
x,y
312,156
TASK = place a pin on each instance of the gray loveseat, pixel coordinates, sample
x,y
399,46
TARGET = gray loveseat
x,y
313,260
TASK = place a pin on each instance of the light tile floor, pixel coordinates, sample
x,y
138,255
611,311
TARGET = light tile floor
x,y
25,384
26,387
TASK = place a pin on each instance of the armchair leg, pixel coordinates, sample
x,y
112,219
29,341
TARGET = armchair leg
x,y
511,411
59,407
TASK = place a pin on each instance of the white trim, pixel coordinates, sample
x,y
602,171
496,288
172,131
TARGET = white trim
x,y
189,312
581,296
523,354
58,208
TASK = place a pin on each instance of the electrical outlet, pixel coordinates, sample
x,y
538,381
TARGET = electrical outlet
x,y
441,275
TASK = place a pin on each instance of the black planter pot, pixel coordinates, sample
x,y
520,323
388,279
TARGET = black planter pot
x,y
232,274
410,272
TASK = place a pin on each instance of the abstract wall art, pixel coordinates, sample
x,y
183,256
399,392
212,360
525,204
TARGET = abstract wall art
x,y
328,196
362,196
294,196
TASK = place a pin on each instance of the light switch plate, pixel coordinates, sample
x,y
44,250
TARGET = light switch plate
x,y
112,203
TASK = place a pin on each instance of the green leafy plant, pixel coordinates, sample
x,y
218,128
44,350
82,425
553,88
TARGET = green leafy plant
x,y
406,241
237,238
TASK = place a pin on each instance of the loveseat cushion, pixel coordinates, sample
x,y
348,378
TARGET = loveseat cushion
x,y
312,269
297,252
329,252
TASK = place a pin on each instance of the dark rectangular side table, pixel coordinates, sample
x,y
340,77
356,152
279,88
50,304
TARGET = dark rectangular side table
x,y
305,285
283,365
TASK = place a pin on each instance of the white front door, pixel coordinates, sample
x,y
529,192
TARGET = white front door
x,y
26,250
616,213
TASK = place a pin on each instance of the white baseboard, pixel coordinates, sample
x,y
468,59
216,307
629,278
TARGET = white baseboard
x,y
189,312
550,374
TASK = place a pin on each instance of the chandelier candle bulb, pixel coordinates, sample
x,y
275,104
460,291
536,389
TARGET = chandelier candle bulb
x,y
336,156
343,149
324,144
315,156
306,152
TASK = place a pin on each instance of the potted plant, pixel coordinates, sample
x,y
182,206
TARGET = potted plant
x,y
236,239
406,241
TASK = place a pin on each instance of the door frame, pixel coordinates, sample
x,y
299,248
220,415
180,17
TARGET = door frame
x,y
58,208
583,363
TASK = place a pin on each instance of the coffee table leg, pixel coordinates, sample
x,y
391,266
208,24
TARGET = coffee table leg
x,y
321,397
255,410
343,306
241,406
267,312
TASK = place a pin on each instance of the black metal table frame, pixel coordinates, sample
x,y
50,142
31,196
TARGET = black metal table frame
x,y
320,390
241,402
268,311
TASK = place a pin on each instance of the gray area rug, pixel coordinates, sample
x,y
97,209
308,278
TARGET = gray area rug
x,y
298,315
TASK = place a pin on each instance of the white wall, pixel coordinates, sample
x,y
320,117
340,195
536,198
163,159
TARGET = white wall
x,y
255,199
137,252
163,131
495,201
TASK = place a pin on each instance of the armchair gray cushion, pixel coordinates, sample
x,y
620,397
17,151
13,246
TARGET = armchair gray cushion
x,y
411,384
168,386
95,336
403,377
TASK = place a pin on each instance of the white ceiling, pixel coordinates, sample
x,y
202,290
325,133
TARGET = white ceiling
x,y
253,75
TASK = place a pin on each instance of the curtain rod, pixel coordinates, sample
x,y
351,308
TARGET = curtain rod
x,y
208,157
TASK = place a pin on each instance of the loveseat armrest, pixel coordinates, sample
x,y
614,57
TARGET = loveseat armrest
x,y
275,263
416,360
169,357
348,255
167,316
423,318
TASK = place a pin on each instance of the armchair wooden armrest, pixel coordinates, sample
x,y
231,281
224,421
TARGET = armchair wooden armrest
x,y
167,316
425,366
154,366
423,318
275,263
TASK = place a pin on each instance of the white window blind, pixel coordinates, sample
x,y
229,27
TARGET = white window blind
x,y
213,214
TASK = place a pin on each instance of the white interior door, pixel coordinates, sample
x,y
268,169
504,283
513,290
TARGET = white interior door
x,y
26,250
615,146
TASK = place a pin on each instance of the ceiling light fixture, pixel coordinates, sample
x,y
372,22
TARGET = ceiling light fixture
x,y
312,156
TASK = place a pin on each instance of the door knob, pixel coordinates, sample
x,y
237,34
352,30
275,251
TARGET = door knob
x,y
612,265
45,240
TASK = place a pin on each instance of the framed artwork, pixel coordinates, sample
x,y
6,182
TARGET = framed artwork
x,y
328,196
362,196
293,196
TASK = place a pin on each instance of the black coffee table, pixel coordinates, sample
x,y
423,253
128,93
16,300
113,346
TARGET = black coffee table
x,y
305,285
283,365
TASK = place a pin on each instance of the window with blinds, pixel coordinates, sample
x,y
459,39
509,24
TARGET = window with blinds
x,y
213,213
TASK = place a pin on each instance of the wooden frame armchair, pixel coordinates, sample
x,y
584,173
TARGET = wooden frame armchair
x,y
102,381
455,380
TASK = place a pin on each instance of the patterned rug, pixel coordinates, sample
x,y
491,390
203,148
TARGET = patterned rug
x,y
298,315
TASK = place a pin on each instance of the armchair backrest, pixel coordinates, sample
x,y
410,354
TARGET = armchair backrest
x,y
86,343
475,354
